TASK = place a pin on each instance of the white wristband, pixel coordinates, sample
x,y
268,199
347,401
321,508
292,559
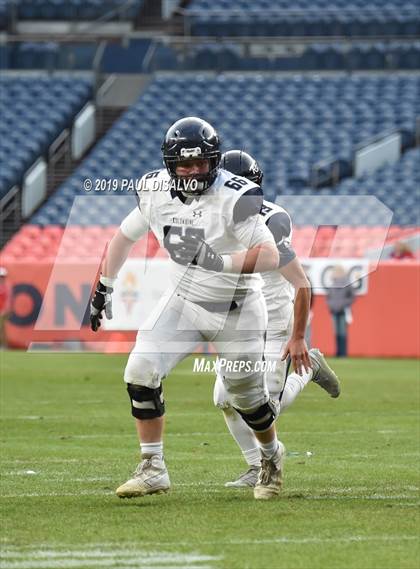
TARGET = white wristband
x,y
108,281
227,263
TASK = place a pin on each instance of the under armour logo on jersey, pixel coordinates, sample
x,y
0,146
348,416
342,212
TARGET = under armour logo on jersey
x,y
198,213
191,152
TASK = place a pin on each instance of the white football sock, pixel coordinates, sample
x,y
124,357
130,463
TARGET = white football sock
x,y
268,449
152,449
244,436
252,456
295,383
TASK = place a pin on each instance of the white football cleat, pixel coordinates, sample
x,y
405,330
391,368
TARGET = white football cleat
x,y
246,480
150,477
270,479
323,375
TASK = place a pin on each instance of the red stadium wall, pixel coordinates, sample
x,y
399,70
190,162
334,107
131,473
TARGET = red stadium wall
x,y
385,320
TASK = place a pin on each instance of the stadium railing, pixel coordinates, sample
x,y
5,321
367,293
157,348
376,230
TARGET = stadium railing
x,y
145,55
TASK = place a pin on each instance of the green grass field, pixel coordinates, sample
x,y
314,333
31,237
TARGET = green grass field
x,y
68,441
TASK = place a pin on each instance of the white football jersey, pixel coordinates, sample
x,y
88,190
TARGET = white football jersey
x,y
277,290
215,216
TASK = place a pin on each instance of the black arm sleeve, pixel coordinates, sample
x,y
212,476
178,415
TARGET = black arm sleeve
x,y
280,226
248,204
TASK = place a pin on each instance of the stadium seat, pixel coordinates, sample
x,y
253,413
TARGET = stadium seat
x,y
69,9
288,122
49,244
35,111
304,18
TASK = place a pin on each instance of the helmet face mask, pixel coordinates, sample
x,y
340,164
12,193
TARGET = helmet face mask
x,y
242,164
191,175
190,141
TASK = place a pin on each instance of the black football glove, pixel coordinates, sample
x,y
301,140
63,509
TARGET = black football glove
x,y
100,302
195,250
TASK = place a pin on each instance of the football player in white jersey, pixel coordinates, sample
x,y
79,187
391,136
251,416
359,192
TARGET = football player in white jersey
x,y
208,220
287,295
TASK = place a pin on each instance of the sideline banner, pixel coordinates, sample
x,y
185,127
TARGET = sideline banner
x,y
319,271
143,282
55,309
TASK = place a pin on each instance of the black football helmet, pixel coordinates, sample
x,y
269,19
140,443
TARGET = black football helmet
x,y
192,138
242,164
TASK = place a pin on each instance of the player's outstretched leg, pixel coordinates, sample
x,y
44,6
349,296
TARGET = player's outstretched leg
x,y
270,479
242,434
150,477
323,375
148,410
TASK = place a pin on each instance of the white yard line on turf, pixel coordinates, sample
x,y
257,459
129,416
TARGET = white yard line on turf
x,y
99,553
211,412
59,494
355,492
131,434
26,558
42,547
308,540
59,477
178,455
49,460
214,488
10,552
83,563
128,563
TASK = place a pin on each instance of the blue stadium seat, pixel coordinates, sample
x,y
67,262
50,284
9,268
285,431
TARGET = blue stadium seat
x,y
305,18
69,9
34,114
289,123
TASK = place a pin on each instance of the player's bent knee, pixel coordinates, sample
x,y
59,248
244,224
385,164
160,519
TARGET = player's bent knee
x,y
246,392
260,419
146,403
142,372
